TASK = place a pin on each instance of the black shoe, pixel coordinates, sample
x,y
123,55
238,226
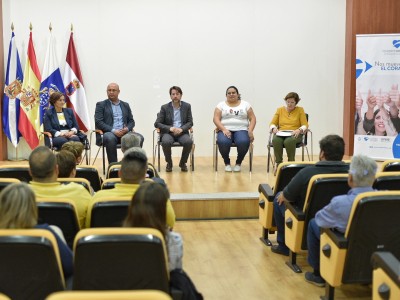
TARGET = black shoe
x,y
314,279
169,167
183,167
279,250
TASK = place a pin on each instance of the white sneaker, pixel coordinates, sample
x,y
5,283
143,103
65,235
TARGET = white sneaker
x,y
228,168
236,168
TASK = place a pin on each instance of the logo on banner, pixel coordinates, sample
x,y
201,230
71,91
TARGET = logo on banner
x,y
361,67
396,43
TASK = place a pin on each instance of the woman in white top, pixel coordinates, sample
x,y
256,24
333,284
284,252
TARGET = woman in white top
x,y
235,121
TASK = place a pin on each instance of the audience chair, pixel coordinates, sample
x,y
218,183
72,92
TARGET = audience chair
x,y
216,152
120,259
387,181
62,213
321,189
82,181
7,181
107,212
110,295
303,145
30,264
110,183
391,165
385,276
48,141
91,174
4,297
113,171
373,226
286,171
20,172
157,148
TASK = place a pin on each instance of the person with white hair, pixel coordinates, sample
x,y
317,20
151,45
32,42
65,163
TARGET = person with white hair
x,y
336,214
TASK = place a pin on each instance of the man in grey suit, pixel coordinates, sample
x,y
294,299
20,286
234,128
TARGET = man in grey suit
x,y
114,117
174,121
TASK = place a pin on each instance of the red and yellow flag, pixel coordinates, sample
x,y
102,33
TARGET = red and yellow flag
x,y
29,122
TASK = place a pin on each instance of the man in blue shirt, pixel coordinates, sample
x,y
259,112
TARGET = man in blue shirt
x,y
336,214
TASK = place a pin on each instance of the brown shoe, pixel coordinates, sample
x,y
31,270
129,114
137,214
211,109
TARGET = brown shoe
x,y
169,167
183,167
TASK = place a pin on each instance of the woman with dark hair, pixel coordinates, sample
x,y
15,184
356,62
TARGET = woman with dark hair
x,y
235,121
382,124
148,208
288,126
61,122
18,210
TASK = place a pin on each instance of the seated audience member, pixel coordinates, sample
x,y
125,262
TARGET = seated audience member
x,y
66,162
76,149
132,174
336,214
288,118
330,156
44,171
61,123
235,121
18,210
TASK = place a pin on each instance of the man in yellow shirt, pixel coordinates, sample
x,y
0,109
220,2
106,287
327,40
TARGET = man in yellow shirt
x,y
132,173
44,171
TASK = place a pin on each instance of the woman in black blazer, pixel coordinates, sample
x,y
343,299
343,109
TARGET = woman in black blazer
x,y
61,122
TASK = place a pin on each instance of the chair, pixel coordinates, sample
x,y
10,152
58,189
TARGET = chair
x,y
321,189
391,165
286,171
387,181
101,147
373,226
303,145
110,183
48,141
107,212
91,174
62,213
157,145
386,276
120,259
107,295
113,171
7,181
30,264
20,172
82,181
216,154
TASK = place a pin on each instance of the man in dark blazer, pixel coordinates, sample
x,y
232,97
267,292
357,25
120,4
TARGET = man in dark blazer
x,y
114,117
174,121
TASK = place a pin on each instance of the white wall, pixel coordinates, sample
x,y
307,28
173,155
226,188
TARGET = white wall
x,y
266,48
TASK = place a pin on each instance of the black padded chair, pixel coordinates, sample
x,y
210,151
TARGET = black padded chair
x,y
387,181
286,171
120,259
303,145
91,174
113,171
107,295
321,189
391,165
4,182
62,213
157,148
386,276
108,212
20,172
30,264
110,183
373,226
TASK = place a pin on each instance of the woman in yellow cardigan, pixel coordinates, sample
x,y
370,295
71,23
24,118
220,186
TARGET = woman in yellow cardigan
x,y
288,126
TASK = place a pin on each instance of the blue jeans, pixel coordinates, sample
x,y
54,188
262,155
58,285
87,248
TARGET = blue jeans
x,y
279,217
241,140
313,244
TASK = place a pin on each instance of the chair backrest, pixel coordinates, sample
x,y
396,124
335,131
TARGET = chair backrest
x,y
62,213
108,211
321,189
286,171
21,172
120,259
30,264
387,181
113,171
7,181
107,295
373,226
91,174
391,165
110,183
82,181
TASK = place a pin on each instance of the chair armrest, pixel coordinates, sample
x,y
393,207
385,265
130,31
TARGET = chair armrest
x,y
388,263
297,212
267,191
337,237
47,133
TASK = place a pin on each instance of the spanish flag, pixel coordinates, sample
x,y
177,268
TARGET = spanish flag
x,y
29,122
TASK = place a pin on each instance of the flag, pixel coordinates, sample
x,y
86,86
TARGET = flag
x,y
74,88
12,90
29,123
52,81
